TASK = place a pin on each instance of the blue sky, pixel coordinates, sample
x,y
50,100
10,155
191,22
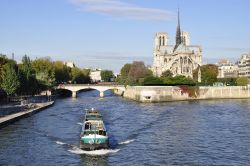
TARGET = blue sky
x,y
109,33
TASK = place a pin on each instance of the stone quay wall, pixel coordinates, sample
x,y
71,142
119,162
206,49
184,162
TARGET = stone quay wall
x,y
175,93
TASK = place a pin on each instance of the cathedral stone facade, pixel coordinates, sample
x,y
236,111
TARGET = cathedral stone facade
x,y
181,58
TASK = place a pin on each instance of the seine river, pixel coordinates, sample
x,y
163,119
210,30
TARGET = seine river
x,y
215,132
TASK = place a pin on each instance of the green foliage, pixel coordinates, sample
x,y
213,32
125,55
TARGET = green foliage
x,y
133,74
3,61
45,79
242,81
79,76
123,80
30,77
107,75
167,73
125,70
27,78
228,81
86,72
152,80
209,74
10,82
178,80
123,77
45,72
62,72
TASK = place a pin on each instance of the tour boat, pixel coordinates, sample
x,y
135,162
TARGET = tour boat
x,y
94,135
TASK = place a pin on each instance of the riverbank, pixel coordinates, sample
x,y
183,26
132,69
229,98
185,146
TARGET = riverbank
x,y
8,119
182,93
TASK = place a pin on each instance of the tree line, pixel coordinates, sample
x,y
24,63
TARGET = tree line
x,y
137,73
31,77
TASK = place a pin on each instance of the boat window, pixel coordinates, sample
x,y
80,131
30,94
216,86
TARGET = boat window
x,y
89,132
87,126
101,132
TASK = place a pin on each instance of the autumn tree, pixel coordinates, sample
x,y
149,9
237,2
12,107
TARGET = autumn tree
x,y
138,71
242,81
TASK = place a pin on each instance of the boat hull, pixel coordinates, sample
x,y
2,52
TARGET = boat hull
x,y
93,142
86,146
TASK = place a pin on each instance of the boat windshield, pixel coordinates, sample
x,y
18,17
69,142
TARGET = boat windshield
x,y
93,117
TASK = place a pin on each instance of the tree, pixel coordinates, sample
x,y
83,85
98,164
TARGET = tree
x,y
107,75
3,61
45,72
10,81
167,73
178,80
125,70
138,71
228,81
242,81
209,74
79,76
62,72
152,80
123,77
28,82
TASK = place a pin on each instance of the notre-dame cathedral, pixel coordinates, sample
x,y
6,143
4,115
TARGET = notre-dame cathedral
x,y
181,58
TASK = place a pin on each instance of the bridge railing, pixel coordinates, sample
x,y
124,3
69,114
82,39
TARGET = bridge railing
x,y
111,85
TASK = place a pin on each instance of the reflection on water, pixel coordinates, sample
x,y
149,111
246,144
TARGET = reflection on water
x,y
214,132
94,160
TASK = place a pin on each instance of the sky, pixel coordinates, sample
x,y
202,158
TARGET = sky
x,y
109,33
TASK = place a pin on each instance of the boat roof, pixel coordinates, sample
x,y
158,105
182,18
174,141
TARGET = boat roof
x,y
93,115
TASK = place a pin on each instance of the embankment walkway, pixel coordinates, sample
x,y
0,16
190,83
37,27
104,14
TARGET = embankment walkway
x,y
6,120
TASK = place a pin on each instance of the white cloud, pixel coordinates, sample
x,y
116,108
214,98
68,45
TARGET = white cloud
x,y
119,9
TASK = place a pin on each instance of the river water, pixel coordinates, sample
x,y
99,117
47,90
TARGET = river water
x,y
215,132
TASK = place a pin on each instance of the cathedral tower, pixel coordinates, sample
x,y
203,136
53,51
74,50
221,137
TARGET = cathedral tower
x,y
161,39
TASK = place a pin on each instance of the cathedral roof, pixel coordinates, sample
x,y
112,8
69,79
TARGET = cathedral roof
x,y
169,49
182,48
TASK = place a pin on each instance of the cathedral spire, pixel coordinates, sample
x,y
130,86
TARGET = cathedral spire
x,y
178,32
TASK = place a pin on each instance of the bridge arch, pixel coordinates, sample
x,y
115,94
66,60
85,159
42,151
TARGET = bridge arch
x,y
74,88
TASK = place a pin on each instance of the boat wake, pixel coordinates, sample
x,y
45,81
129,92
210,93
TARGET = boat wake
x,y
60,143
100,152
76,150
79,123
126,142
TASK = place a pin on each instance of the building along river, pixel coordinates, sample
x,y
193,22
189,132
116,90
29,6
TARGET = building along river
x,y
213,132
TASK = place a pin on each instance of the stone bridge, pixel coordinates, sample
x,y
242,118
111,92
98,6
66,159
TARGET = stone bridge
x,y
74,88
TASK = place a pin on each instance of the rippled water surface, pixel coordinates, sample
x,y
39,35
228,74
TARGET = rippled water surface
x,y
175,133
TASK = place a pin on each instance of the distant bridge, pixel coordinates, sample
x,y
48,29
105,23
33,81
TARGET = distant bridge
x,y
74,88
